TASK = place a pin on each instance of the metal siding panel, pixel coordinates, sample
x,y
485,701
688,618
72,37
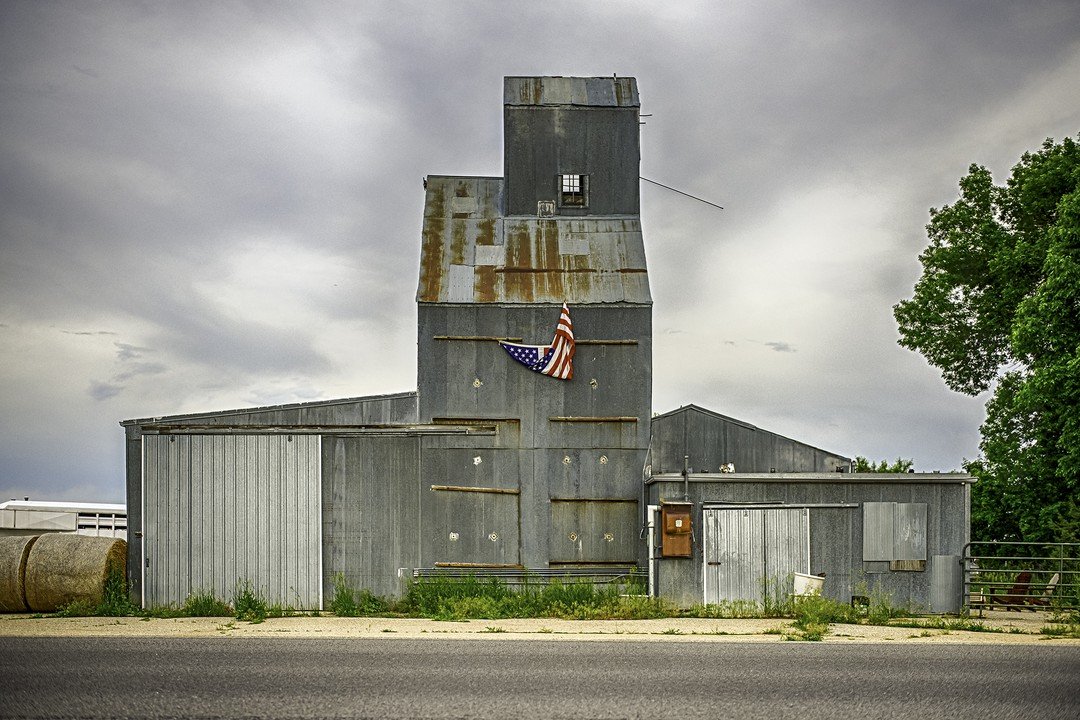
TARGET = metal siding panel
x,y
590,531
151,521
737,550
232,537
787,539
371,511
461,283
909,528
179,471
750,550
878,519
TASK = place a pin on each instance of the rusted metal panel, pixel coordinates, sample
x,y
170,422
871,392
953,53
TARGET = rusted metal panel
x,y
595,530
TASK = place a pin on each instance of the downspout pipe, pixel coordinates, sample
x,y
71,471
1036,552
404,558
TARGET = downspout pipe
x,y
651,529
686,478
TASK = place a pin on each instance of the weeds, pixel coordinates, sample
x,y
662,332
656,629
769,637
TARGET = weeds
x,y
205,604
352,603
114,599
248,604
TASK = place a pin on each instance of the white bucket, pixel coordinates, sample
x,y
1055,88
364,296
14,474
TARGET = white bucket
x,y
808,584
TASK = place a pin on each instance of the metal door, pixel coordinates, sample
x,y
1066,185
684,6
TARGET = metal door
x,y
753,553
222,510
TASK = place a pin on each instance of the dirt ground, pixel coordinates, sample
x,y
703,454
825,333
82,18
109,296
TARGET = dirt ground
x,y
1011,628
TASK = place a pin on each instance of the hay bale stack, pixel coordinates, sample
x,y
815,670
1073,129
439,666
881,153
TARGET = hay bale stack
x,y
14,550
65,568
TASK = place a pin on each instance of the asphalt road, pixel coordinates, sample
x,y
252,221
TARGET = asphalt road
x,y
498,677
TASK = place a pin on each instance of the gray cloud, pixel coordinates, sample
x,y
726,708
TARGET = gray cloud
x,y
220,203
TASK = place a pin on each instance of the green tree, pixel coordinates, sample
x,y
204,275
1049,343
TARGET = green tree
x,y
862,465
998,306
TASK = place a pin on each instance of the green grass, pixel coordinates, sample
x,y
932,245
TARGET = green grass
x,y
455,598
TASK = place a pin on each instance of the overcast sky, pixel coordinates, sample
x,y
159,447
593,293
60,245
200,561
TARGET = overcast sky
x,y
215,205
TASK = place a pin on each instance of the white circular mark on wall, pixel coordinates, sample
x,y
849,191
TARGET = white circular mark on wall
x,y
493,536
477,460
477,383
609,537
603,459
454,537
566,460
594,384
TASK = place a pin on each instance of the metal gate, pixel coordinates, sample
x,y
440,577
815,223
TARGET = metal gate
x,y
753,553
222,510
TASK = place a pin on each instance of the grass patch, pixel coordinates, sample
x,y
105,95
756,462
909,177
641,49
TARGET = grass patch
x,y
948,624
205,604
348,602
460,598
1061,631
725,610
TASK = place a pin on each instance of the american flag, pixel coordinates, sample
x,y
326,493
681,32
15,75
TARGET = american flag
x,y
556,359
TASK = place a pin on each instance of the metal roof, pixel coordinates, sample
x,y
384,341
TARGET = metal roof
x,y
471,253
62,506
587,91
831,478
307,405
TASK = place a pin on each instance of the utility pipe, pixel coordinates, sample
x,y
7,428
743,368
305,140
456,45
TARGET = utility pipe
x,y
653,509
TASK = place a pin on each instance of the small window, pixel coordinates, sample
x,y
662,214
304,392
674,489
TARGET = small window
x,y
572,190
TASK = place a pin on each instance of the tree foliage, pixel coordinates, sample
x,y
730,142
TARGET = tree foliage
x,y
862,465
998,306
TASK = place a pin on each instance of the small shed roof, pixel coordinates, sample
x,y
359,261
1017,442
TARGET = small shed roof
x,y
471,253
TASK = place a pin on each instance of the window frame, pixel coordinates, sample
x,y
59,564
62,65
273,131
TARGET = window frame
x,y
573,190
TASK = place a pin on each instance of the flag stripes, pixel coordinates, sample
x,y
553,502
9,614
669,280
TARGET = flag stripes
x,y
554,360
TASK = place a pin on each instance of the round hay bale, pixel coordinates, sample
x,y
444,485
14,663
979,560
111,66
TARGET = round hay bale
x,y
64,568
14,550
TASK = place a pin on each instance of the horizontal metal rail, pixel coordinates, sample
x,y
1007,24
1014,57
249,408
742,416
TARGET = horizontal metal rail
x,y
1038,576
517,577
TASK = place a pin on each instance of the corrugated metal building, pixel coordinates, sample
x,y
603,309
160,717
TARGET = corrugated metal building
x,y
487,465
899,534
